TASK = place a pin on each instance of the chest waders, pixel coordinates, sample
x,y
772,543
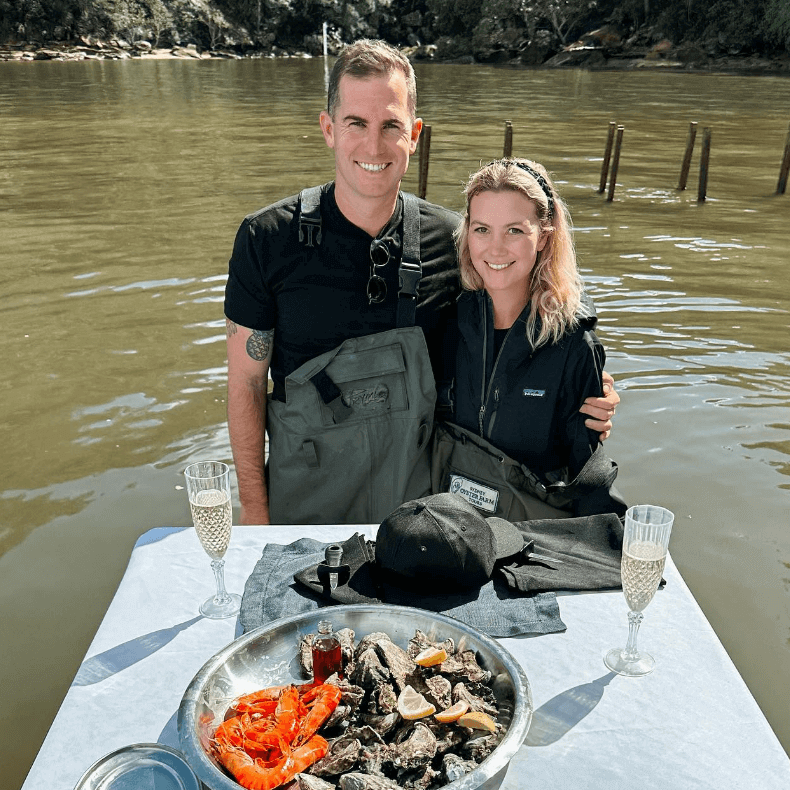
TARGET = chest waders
x,y
466,464
350,442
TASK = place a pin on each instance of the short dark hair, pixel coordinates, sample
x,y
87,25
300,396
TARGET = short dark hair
x,y
367,58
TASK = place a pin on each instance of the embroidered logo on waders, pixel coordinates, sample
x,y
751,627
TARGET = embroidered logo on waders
x,y
534,393
366,398
482,497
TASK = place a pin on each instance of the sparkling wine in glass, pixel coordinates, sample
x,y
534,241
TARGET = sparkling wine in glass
x,y
645,543
208,486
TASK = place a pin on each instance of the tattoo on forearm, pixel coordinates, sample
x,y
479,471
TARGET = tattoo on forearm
x,y
259,344
230,327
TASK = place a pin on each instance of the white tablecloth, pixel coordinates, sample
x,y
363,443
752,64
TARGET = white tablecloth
x,y
692,723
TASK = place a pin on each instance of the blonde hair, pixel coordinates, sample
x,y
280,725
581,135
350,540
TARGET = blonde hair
x,y
555,285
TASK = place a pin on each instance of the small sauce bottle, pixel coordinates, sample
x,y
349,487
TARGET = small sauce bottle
x,y
327,656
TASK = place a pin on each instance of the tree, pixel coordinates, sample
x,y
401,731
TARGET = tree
x,y
776,23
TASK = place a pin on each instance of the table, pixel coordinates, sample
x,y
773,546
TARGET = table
x,y
692,723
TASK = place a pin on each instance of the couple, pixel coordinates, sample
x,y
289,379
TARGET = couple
x,y
351,294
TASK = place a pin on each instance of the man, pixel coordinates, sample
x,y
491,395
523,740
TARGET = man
x,y
339,290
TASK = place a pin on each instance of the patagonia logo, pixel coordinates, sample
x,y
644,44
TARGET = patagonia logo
x,y
366,398
534,393
482,497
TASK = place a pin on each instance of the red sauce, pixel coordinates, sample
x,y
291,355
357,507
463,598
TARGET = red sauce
x,y
327,659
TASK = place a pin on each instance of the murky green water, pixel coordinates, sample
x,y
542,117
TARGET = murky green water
x,y
121,187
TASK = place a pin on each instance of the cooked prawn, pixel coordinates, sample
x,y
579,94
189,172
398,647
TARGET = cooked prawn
x,y
256,776
321,700
272,737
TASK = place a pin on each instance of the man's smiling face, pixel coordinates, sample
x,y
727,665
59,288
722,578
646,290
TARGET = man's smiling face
x,y
373,135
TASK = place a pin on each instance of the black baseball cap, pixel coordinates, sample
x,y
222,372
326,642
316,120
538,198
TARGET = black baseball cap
x,y
442,541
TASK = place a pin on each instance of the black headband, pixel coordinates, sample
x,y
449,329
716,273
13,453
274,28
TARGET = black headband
x,y
542,183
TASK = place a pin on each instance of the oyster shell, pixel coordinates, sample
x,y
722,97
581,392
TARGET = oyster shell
x,y
416,746
343,756
359,781
420,641
461,691
369,672
477,749
307,782
382,724
306,654
373,748
454,767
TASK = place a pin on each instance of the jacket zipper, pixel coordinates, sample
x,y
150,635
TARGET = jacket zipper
x,y
485,393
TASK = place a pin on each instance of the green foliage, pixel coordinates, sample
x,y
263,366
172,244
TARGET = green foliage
x,y
777,23
454,17
490,29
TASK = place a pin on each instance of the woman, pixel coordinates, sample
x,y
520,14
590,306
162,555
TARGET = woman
x,y
526,354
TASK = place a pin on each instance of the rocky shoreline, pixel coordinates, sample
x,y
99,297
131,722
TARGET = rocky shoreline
x,y
587,53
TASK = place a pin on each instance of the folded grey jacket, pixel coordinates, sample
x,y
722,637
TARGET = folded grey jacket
x,y
271,592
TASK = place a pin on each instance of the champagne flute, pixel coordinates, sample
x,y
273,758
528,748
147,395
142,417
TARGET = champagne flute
x,y
208,486
645,542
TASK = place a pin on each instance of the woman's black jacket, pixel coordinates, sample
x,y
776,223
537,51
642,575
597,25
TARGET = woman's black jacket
x,y
525,402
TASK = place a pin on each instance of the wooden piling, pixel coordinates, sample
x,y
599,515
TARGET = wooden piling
x,y
684,168
425,153
784,170
615,163
703,165
607,155
507,150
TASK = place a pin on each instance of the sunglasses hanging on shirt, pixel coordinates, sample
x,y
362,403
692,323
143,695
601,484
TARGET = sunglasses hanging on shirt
x,y
379,258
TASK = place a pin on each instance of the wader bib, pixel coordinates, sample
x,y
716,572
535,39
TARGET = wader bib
x,y
466,464
350,442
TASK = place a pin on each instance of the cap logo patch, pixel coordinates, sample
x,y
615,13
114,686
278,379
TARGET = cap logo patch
x,y
534,393
482,497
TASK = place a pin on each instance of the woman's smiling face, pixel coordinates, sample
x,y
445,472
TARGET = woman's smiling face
x,y
504,239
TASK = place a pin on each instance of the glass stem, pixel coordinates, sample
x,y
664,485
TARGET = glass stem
x,y
218,566
634,619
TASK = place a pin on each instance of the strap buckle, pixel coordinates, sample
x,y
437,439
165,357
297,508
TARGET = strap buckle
x,y
409,275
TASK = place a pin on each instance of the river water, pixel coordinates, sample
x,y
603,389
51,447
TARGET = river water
x,y
121,187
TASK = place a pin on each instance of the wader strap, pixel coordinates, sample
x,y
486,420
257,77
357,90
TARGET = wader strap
x,y
410,269
331,395
310,216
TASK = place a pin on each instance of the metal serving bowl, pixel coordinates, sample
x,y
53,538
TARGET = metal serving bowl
x,y
268,656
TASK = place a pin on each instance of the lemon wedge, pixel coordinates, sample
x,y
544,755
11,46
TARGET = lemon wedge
x,y
431,656
452,713
412,705
477,720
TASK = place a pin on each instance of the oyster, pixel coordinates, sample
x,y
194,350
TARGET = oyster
x,y
416,746
382,724
369,671
307,782
359,781
440,690
420,641
395,658
306,654
343,756
463,692
371,747
454,767
479,748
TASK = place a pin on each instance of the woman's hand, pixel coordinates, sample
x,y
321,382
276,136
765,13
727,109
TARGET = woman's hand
x,y
601,410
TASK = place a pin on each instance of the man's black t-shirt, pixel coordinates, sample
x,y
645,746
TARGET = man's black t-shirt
x,y
315,298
